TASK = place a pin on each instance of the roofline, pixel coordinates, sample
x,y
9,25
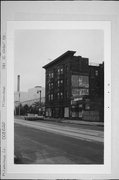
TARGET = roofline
x,y
57,59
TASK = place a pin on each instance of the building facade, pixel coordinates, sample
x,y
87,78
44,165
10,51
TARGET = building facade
x,y
69,86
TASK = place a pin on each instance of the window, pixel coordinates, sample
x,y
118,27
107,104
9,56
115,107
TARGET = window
x,y
61,81
96,72
58,71
51,96
66,69
61,70
51,85
49,75
58,83
52,74
61,95
58,95
87,106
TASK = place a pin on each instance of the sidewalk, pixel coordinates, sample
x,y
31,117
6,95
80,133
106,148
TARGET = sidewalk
x,y
82,122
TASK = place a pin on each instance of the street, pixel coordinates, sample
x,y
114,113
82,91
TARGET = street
x,y
38,142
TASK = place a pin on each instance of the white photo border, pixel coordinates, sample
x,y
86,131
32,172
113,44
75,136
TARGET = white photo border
x,y
47,170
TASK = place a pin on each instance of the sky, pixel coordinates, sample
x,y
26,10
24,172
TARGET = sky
x,y
36,48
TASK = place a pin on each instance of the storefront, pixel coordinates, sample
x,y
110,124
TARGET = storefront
x,y
80,88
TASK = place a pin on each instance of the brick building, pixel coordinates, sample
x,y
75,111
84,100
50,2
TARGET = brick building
x,y
70,86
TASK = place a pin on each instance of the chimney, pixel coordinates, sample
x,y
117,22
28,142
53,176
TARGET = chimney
x,y
18,83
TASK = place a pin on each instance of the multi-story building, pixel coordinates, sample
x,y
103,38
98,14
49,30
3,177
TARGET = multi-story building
x,y
69,86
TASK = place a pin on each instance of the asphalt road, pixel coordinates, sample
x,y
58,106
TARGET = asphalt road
x,y
48,143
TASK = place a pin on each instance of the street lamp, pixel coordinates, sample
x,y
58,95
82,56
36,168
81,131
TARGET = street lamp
x,y
39,91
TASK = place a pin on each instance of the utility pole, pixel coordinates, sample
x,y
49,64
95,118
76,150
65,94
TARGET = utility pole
x,y
39,91
40,97
18,90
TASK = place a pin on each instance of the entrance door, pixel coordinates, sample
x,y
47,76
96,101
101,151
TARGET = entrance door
x,y
66,112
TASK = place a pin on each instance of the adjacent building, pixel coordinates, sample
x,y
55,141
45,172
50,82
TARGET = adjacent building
x,y
74,89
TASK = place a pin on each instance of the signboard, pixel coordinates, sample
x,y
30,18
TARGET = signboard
x,y
79,92
78,99
80,81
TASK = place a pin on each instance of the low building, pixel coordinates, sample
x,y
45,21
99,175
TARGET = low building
x,y
70,87
31,94
29,101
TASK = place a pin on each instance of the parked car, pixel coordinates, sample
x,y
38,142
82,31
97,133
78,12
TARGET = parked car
x,y
33,117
